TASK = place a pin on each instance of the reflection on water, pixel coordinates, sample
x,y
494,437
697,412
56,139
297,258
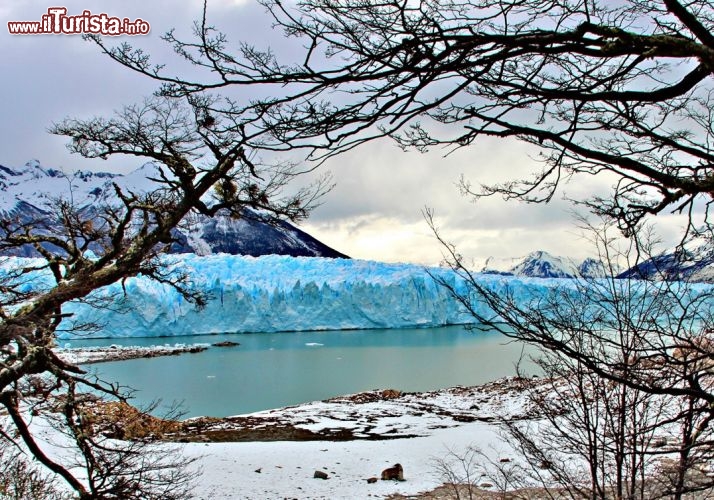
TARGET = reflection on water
x,y
270,370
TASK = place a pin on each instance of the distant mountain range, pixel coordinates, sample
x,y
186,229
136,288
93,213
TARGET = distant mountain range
x,y
695,266
542,264
25,193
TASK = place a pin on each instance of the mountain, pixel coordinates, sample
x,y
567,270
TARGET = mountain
x,y
27,191
592,268
542,264
695,265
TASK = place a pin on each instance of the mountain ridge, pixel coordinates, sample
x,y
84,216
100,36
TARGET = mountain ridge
x,y
27,191
542,264
696,265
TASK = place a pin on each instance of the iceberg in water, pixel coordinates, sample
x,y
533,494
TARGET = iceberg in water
x,y
280,293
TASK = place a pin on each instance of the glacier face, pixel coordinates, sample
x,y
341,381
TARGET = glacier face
x,y
281,293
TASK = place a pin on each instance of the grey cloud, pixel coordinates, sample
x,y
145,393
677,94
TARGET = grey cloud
x,y
49,77
379,187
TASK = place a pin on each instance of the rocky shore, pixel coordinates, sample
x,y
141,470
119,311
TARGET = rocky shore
x,y
87,355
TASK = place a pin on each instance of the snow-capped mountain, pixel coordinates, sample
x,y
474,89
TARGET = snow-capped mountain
x,y
541,264
592,268
27,191
36,186
695,265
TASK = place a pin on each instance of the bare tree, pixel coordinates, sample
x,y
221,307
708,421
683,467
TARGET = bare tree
x,y
621,88
626,401
200,167
618,89
21,479
594,438
464,474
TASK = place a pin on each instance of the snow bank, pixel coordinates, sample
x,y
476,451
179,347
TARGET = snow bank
x,y
285,469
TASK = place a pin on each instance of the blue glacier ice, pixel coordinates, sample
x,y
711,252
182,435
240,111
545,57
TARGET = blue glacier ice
x,y
280,293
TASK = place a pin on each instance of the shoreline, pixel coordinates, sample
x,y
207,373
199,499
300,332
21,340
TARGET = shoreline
x,y
377,415
351,438
90,355
275,453
350,417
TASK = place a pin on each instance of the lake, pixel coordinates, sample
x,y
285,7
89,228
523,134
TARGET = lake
x,y
271,370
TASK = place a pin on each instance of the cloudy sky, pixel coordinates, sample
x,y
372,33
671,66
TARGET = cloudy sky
x,y
374,212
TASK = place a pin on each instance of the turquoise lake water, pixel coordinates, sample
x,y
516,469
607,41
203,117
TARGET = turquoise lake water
x,y
270,370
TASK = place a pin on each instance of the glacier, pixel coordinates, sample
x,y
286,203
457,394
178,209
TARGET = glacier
x,y
279,293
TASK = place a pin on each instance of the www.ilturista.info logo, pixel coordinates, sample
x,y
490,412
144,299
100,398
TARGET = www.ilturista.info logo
x,y
57,22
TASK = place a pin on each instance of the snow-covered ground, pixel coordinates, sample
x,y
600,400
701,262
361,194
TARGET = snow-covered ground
x,y
275,454
438,423
285,469
441,423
